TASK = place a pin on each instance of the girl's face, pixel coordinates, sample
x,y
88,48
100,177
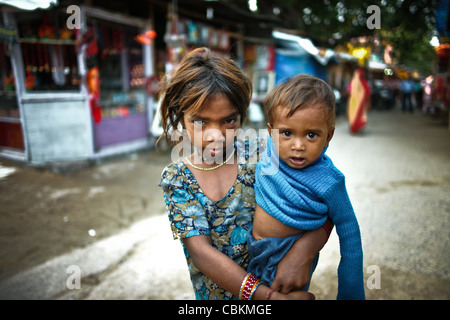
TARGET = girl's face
x,y
211,129
302,136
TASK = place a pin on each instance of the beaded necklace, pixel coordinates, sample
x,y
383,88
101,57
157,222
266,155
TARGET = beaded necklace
x,y
212,168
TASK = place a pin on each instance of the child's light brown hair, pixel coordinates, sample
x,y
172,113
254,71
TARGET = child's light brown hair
x,y
202,73
300,92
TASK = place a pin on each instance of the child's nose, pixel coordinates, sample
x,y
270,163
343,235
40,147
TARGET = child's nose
x,y
298,144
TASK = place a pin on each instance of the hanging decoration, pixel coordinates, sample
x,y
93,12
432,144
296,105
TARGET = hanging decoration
x,y
7,34
146,38
93,85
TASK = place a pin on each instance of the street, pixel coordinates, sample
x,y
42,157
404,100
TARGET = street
x,y
106,225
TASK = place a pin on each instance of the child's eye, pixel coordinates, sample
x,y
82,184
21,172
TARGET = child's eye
x,y
286,134
311,135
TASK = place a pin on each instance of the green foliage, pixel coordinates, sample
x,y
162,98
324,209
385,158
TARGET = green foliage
x,y
413,49
407,25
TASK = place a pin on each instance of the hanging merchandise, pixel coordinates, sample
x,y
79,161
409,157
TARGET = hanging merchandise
x,y
30,77
43,67
146,38
224,40
46,30
46,58
264,57
213,40
57,65
9,83
193,33
7,34
176,42
65,33
204,34
117,40
250,53
153,85
104,40
93,84
84,38
92,47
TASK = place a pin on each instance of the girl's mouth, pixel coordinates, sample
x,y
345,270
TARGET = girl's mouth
x,y
212,152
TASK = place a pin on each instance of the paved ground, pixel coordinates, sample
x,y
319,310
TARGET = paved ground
x,y
107,224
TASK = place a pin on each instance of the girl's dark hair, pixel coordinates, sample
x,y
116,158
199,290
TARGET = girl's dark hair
x,y
200,74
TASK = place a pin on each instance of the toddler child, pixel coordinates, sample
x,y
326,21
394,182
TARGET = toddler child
x,y
298,188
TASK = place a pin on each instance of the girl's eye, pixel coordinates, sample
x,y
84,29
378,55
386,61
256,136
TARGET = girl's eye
x,y
286,134
199,122
230,121
311,135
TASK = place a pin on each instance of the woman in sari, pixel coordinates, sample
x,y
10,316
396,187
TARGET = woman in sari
x,y
358,102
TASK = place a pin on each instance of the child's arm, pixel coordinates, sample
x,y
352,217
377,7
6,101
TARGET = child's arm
x,y
293,271
350,270
226,273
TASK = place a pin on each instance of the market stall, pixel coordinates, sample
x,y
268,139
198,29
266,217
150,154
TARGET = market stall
x,y
72,94
115,79
11,136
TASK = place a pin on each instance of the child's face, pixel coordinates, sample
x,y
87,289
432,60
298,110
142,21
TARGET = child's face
x,y
211,129
302,136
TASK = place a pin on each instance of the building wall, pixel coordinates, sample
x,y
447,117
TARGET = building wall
x,y
58,130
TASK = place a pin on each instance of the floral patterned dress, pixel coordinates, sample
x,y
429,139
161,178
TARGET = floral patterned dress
x,y
226,221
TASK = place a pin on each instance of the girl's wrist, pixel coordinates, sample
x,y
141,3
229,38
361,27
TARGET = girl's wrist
x,y
269,294
263,293
253,289
249,286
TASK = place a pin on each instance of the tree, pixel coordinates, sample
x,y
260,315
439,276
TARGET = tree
x,y
407,25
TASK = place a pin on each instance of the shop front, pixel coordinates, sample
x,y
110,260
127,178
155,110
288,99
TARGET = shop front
x,y
72,94
11,136
116,80
245,37
88,92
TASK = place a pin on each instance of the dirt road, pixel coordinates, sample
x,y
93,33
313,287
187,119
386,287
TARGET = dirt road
x,y
109,219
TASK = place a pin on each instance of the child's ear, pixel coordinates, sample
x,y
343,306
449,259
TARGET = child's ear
x,y
330,134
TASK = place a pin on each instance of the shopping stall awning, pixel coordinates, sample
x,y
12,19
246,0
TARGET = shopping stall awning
x,y
323,56
30,4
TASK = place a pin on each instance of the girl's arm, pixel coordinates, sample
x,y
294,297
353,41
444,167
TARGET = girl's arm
x,y
293,271
225,272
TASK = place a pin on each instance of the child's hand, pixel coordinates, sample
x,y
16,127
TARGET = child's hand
x,y
300,295
293,271
291,275
294,295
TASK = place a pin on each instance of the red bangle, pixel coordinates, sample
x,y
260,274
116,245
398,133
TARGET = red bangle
x,y
248,287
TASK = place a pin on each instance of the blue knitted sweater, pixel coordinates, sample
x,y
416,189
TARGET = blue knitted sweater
x,y
303,199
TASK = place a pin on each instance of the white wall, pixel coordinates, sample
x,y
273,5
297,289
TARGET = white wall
x,y
58,130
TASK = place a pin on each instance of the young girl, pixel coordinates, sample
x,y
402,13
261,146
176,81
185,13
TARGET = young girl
x,y
209,196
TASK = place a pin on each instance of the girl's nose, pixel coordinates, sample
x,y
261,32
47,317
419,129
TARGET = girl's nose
x,y
213,134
